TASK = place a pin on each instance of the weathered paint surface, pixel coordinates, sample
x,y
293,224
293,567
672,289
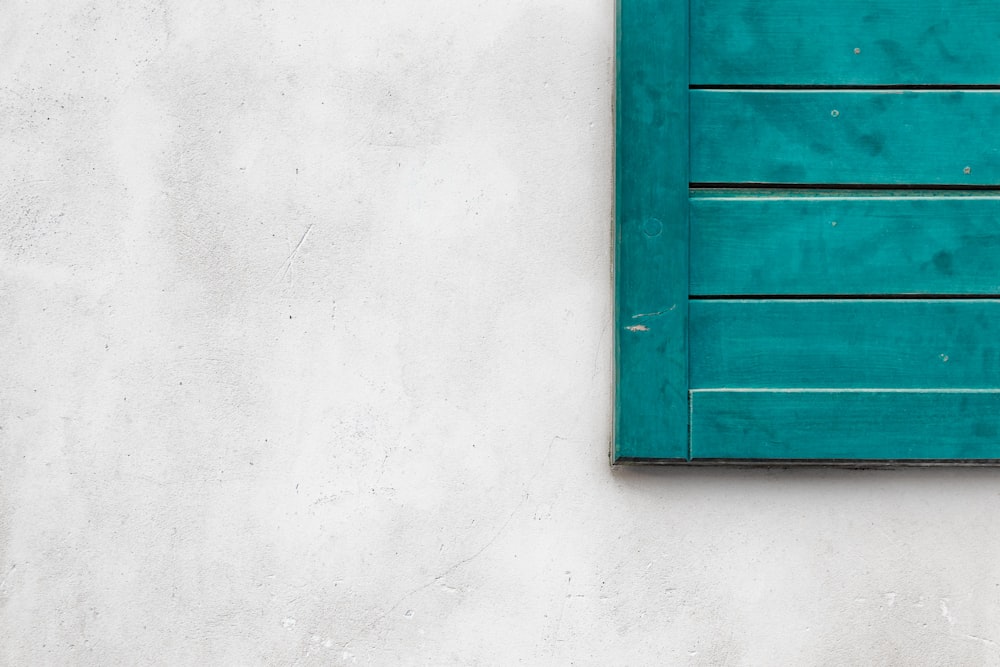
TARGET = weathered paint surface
x,y
836,242
845,343
838,425
651,230
832,185
842,137
849,42
389,446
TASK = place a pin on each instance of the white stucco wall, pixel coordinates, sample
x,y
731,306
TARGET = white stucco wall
x,y
305,358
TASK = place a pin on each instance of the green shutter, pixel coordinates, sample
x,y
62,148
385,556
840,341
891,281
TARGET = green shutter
x,y
807,256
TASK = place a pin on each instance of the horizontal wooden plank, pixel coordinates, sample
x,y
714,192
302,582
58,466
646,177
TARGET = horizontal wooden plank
x,y
845,137
886,243
845,344
873,42
845,425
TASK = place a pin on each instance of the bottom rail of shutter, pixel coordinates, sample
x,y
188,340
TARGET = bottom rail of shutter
x,y
846,425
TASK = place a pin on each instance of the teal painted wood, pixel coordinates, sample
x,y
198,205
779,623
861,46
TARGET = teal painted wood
x,y
651,245
845,243
854,42
845,425
845,344
845,137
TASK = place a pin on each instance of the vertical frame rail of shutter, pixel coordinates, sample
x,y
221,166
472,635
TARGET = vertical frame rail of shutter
x,y
651,231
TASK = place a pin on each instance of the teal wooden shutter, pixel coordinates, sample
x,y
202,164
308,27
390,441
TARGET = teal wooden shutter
x,y
808,231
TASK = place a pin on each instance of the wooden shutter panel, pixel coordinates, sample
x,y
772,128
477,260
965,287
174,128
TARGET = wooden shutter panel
x,y
808,231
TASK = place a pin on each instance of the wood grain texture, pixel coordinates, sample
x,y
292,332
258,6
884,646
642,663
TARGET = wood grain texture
x,y
845,137
651,246
845,344
860,42
845,425
888,243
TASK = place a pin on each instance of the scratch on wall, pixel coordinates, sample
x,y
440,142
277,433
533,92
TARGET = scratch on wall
x,y
286,266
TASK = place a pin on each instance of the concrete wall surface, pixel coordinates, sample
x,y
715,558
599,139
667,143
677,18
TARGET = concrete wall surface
x,y
305,359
